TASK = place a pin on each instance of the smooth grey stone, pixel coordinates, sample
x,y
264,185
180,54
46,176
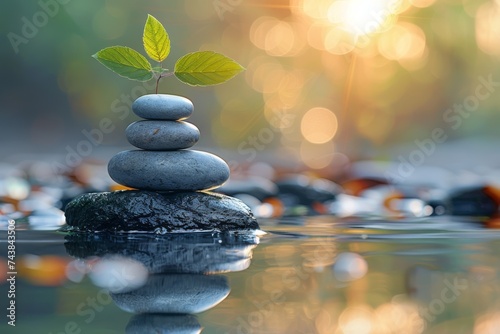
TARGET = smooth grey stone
x,y
163,324
168,170
162,135
175,294
148,211
162,106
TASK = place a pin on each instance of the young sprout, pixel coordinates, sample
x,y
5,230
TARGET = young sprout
x,y
201,68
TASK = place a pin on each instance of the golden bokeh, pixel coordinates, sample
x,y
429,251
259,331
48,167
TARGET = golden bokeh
x,y
488,28
422,3
487,323
383,66
277,38
356,320
319,125
403,41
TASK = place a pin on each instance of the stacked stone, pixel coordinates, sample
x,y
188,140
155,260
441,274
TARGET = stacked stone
x,y
163,161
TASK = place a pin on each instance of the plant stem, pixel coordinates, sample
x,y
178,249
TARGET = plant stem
x,y
167,74
159,77
157,83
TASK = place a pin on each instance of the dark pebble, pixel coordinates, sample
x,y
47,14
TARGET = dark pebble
x,y
257,187
301,190
473,201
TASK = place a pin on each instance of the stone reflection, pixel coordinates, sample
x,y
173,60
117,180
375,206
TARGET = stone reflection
x,y
184,274
163,323
175,293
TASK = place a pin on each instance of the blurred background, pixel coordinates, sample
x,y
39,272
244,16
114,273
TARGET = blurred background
x,y
325,80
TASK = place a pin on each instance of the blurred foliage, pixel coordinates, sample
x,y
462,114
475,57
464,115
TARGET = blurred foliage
x,y
383,72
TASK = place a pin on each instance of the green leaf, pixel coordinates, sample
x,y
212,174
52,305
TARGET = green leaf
x,y
159,69
126,62
155,39
205,68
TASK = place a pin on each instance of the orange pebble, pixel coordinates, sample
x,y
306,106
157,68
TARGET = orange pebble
x,y
45,270
277,205
356,186
116,187
493,192
320,208
392,196
493,222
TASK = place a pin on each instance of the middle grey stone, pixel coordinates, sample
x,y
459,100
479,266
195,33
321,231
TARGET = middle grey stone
x,y
162,135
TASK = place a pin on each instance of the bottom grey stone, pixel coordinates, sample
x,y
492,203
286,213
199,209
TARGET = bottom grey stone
x,y
148,211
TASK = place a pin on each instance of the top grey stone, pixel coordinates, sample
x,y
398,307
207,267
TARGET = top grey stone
x,y
163,106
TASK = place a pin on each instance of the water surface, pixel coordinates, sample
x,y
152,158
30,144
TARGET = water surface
x,y
306,275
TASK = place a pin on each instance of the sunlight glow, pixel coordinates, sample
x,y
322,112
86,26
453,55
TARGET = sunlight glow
x,y
356,320
341,26
361,17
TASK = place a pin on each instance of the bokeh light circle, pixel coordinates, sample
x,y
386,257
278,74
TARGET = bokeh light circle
x,y
319,125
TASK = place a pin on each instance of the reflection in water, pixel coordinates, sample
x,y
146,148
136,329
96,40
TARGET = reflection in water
x,y
163,323
181,268
318,275
118,273
175,293
174,253
349,267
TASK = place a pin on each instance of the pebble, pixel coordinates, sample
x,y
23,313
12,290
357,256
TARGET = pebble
x,y
472,201
302,190
168,170
163,107
15,188
168,178
162,135
46,219
4,221
358,185
255,186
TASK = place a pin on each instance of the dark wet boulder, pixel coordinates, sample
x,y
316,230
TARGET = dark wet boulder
x,y
148,211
